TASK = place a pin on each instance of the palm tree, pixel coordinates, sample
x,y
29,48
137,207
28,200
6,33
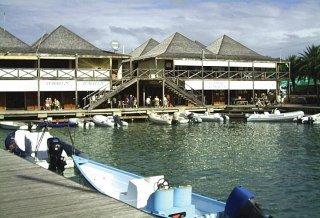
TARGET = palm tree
x,y
295,65
310,65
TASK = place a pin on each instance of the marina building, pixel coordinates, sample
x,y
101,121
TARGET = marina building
x,y
59,65
224,72
64,66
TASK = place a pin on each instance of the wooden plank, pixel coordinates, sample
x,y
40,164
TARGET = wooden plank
x,y
27,190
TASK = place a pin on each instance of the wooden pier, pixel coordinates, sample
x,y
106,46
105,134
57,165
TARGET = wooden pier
x,y
27,190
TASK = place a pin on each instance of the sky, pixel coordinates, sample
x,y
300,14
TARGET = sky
x,y
275,28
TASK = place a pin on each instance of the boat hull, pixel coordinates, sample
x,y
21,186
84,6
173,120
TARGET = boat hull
x,y
139,191
283,117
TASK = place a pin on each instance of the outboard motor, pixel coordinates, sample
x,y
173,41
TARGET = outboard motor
x,y
117,121
241,203
55,149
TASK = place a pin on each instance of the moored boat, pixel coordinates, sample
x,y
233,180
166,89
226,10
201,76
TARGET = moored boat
x,y
163,119
311,119
13,125
276,116
42,149
109,121
208,117
155,196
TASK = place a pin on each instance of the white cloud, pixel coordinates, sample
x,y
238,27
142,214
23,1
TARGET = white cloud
x,y
270,28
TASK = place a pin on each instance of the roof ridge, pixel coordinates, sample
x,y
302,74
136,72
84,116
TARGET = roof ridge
x,y
13,36
173,35
242,45
71,32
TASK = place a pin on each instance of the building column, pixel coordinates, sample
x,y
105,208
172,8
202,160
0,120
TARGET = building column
x,y
163,94
76,81
253,90
138,97
228,82
144,96
289,87
38,75
202,79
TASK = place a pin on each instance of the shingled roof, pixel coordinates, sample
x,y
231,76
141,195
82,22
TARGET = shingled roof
x,y
37,43
176,46
144,48
10,43
64,41
226,47
199,43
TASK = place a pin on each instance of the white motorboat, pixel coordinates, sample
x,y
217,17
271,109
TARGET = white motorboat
x,y
276,116
108,121
155,196
163,119
34,146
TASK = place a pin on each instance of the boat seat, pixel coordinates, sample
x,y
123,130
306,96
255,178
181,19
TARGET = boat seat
x,y
19,138
139,190
31,141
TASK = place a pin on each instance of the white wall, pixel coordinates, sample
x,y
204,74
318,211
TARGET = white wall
x,y
222,63
50,85
234,85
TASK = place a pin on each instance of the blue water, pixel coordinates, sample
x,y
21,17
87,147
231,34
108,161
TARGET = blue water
x,y
279,162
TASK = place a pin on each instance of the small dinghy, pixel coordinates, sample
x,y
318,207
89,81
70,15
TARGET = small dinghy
x,y
191,117
155,196
82,123
312,119
58,124
207,117
42,149
13,125
163,119
110,121
276,116
177,119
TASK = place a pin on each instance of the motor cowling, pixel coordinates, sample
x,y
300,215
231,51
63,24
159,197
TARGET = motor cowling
x,y
56,161
241,203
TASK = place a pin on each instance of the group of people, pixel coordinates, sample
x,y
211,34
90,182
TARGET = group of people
x,y
156,102
129,101
50,104
267,99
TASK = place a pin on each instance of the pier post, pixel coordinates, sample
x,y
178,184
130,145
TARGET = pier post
x,y
38,75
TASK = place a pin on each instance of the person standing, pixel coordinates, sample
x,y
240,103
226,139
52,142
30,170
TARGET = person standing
x,y
156,101
148,101
165,102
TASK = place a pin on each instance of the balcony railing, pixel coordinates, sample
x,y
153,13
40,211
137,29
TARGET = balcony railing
x,y
22,73
29,73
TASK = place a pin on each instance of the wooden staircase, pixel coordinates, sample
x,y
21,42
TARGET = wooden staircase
x,y
177,86
96,98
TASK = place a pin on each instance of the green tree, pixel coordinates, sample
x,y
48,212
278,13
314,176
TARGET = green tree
x,y
310,66
295,65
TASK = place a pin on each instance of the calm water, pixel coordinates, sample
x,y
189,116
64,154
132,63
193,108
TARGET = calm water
x,y
278,162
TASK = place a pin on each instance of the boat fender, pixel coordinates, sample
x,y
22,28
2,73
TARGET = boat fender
x,y
241,203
